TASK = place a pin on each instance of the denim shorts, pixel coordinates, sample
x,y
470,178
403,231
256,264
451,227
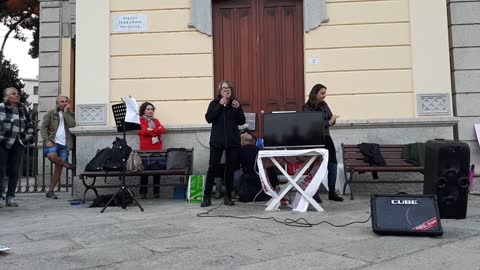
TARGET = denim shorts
x,y
61,151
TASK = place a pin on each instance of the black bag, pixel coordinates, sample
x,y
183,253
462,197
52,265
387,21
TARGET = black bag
x,y
98,161
177,158
120,200
120,152
154,162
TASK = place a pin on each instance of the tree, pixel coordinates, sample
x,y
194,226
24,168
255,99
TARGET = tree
x,y
18,15
9,78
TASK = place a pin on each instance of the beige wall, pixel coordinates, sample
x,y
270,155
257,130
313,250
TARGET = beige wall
x,y
364,59
92,82
170,65
374,56
66,68
430,47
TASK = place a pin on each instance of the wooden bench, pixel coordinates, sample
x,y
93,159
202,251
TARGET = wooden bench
x,y
184,173
353,162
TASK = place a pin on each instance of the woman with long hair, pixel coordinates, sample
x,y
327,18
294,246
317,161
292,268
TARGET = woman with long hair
x,y
316,102
225,114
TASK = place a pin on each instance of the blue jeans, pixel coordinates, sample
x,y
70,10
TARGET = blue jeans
x,y
11,159
60,150
332,175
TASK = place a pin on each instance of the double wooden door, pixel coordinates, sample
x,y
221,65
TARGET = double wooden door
x,y
258,46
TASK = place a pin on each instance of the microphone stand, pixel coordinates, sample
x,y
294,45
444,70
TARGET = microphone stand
x,y
226,151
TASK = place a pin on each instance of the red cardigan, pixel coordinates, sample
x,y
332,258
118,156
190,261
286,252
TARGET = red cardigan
x,y
146,135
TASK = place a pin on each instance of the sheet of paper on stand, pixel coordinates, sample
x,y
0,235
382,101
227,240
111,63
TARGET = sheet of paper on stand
x,y
304,192
132,110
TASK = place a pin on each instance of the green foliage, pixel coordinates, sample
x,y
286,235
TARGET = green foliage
x,y
24,18
9,78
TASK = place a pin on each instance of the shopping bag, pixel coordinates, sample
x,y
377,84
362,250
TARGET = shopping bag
x,y
196,184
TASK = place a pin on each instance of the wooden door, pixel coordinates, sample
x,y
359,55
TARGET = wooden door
x,y
235,49
258,46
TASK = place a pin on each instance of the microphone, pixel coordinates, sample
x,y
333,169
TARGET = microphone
x,y
224,94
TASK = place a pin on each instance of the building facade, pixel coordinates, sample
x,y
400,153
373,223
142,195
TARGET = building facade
x,y
386,64
31,88
464,27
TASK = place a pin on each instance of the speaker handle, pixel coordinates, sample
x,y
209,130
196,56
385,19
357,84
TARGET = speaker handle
x,y
463,182
442,183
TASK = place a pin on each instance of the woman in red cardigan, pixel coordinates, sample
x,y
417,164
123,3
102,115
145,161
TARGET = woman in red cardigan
x,y
150,139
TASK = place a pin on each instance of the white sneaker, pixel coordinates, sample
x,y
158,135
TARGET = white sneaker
x,y
11,202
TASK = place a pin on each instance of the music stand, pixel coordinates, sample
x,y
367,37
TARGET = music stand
x,y
119,113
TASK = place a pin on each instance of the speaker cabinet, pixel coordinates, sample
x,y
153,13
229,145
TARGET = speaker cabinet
x,y
446,175
405,215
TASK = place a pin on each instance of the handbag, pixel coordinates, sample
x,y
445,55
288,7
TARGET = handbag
x,y
134,162
177,158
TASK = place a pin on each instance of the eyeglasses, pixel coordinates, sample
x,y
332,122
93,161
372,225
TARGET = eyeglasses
x,y
14,94
228,87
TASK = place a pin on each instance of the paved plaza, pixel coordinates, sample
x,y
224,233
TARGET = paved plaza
x,y
53,234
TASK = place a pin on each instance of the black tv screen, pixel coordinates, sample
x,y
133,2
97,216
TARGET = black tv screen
x,y
293,130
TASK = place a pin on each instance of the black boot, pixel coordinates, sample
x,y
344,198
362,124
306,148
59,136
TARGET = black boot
x,y
206,202
228,201
316,197
333,196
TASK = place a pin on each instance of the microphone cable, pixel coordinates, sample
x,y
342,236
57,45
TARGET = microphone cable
x,y
299,222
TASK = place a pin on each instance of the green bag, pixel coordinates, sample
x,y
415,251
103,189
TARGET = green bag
x,y
195,188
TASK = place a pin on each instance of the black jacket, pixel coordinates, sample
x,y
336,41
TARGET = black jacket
x,y
247,158
217,115
322,107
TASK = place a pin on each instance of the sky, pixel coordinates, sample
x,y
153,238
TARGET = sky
x,y
17,52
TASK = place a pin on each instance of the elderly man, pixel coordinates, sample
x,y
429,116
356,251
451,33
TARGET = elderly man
x,y
57,139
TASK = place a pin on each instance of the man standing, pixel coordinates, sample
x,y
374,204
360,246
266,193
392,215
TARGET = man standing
x,y
57,139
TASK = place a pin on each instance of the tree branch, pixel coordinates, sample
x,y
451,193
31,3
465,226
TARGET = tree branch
x,y
10,30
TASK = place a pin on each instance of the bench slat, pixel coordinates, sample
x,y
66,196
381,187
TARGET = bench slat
x,y
389,162
137,173
389,155
384,146
386,169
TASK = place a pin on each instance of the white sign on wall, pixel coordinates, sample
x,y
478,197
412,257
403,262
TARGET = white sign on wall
x,y
314,61
130,23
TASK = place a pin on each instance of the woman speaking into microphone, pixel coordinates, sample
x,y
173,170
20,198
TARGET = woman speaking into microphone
x,y
225,114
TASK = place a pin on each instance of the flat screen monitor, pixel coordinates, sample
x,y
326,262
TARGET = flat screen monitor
x,y
293,130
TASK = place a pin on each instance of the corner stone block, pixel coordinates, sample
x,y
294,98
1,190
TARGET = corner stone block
x,y
49,74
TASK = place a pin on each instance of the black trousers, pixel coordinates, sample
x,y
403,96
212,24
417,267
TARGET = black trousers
x,y
144,183
231,164
11,159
